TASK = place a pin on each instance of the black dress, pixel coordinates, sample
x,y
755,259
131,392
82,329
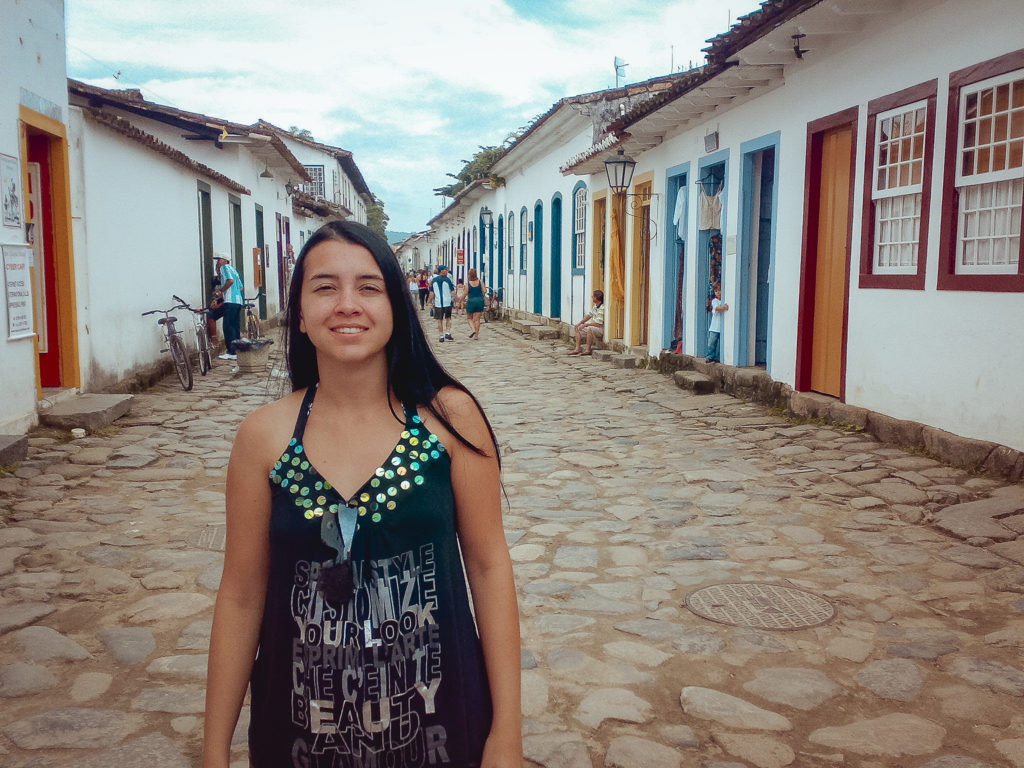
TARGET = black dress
x,y
394,675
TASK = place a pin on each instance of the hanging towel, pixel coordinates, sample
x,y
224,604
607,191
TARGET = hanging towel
x,y
678,217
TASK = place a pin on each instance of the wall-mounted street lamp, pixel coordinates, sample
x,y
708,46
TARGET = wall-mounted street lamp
x,y
290,189
486,216
619,169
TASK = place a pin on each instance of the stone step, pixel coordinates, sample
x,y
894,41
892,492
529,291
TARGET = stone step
x,y
86,411
544,332
13,449
623,361
523,326
604,355
695,381
703,366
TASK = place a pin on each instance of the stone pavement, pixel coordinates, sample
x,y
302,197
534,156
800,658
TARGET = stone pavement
x,y
626,496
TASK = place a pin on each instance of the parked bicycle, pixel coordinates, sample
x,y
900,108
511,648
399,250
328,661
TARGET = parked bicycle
x,y
252,317
202,335
494,304
172,337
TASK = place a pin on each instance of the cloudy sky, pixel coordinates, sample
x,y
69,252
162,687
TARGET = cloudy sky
x,y
413,88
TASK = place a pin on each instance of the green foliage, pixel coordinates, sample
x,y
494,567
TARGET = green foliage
x,y
376,219
300,133
477,168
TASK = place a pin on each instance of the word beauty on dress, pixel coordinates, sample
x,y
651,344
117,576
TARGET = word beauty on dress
x,y
363,673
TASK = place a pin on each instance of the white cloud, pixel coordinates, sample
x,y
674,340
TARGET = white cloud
x,y
411,87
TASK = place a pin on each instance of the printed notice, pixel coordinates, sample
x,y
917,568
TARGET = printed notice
x,y
19,290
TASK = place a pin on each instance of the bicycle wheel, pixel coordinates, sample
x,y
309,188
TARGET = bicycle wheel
x,y
182,366
203,342
252,326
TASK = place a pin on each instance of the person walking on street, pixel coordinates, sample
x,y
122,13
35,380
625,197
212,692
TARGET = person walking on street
x,y
444,291
475,303
424,288
343,603
232,289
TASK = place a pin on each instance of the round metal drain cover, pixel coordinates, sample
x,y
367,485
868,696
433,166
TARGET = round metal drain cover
x,y
762,606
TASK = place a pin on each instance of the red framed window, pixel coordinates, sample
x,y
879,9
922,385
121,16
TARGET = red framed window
x,y
897,188
983,203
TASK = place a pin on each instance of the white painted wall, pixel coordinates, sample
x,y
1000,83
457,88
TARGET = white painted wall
x,y
134,248
32,52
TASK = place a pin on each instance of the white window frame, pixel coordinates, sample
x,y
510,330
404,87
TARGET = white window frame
x,y
1010,178
315,186
884,198
580,228
524,238
510,232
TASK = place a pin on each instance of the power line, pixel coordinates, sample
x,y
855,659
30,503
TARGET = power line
x,y
118,74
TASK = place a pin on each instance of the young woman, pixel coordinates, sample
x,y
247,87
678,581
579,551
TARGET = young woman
x,y
475,303
343,602
424,287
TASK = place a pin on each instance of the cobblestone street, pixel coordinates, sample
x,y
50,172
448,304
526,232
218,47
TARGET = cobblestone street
x,y
879,621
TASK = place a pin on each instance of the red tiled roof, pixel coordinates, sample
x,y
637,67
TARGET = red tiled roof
x,y
152,143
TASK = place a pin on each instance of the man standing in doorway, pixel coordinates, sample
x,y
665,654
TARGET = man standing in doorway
x,y
443,289
231,287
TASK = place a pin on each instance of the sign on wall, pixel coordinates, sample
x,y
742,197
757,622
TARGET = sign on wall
x,y
10,192
17,259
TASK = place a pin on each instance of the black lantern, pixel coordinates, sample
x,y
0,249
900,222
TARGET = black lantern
x,y
619,169
486,216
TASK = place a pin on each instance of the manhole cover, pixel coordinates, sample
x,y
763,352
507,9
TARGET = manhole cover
x,y
211,537
763,606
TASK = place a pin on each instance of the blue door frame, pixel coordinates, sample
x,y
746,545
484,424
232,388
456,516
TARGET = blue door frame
x,y
756,292
712,171
676,185
501,251
538,258
556,256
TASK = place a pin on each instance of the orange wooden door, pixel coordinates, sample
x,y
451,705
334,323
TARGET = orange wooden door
x,y
830,264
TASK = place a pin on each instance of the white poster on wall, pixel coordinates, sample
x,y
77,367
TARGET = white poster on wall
x,y
19,291
10,192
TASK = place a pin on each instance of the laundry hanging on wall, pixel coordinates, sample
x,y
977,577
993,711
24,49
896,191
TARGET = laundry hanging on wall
x,y
710,208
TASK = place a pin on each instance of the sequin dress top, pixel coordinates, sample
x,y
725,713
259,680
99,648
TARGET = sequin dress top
x,y
394,675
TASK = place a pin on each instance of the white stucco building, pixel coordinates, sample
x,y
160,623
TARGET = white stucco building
x,y
40,346
113,203
854,186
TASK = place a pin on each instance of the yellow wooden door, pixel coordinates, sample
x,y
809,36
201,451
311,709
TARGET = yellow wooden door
x,y
830,264
640,257
615,315
598,248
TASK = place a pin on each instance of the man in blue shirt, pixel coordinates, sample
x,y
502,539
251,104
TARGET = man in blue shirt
x,y
232,288
443,288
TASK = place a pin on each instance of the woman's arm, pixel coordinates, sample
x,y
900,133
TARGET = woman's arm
x,y
477,485
239,609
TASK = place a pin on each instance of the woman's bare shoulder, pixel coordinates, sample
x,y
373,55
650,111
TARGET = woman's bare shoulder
x,y
463,413
265,432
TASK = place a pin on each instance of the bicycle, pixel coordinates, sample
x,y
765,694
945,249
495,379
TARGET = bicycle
x,y
202,335
252,318
172,336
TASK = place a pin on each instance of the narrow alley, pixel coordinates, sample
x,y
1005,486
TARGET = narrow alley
x,y
701,582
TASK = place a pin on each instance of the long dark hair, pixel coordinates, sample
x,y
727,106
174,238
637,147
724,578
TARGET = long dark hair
x,y
415,375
